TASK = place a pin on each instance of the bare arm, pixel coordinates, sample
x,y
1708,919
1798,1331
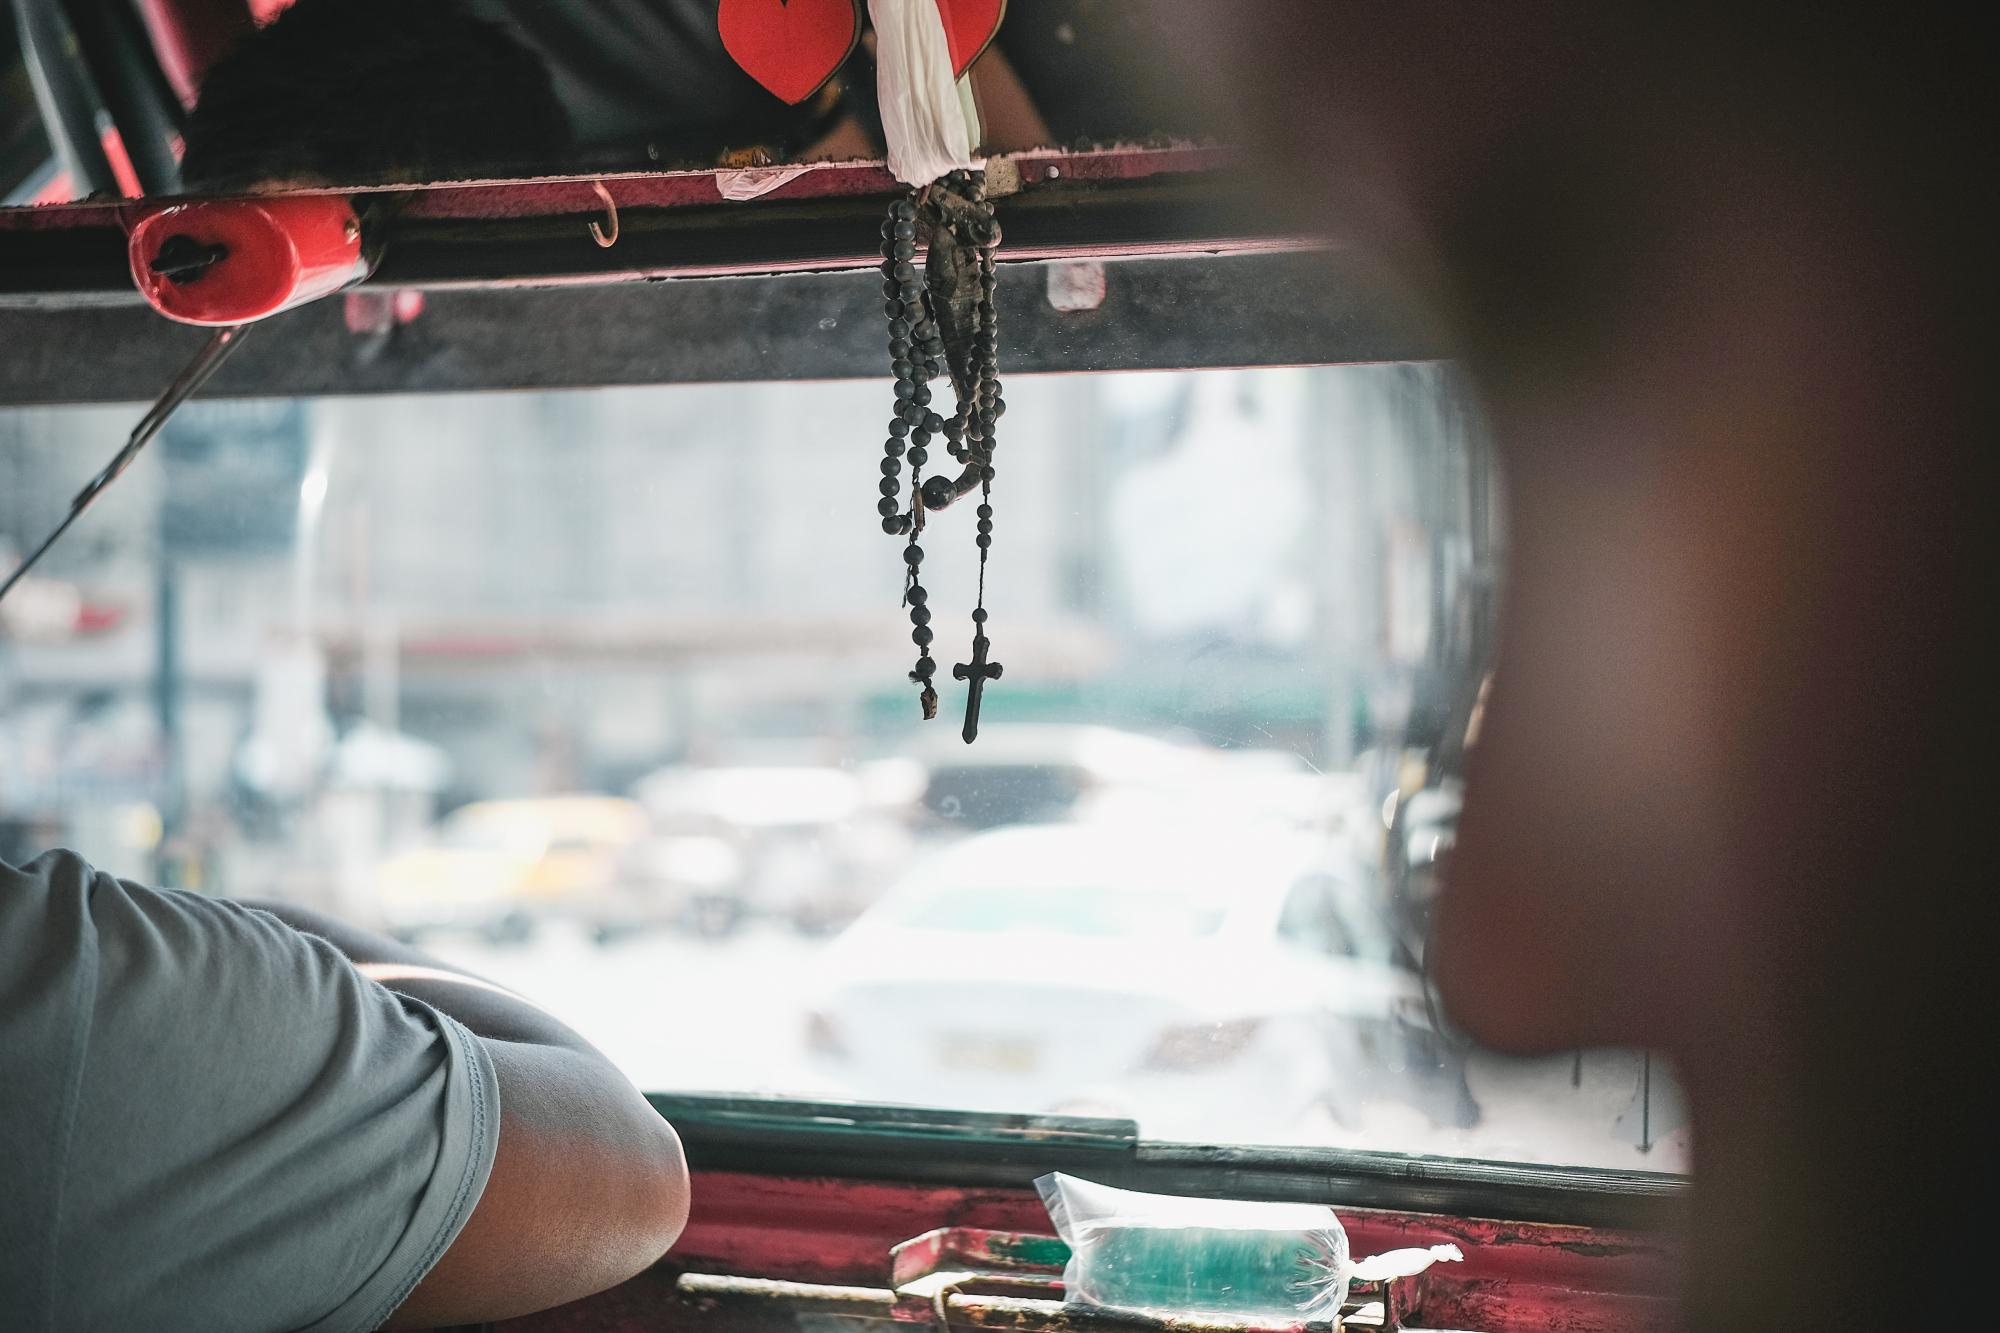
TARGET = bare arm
x,y
588,1187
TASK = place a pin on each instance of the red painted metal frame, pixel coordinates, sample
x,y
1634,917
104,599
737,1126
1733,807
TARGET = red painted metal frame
x,y
1516,1277
578,196
1177,199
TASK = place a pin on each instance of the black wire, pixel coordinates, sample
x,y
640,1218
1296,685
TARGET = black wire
x,y
7,585
205,363
64,94
120,59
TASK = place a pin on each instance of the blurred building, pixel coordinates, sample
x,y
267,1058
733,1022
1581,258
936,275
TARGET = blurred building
x,y
565,590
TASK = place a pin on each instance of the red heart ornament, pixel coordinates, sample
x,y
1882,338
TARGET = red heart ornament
x,y
792,47
969,26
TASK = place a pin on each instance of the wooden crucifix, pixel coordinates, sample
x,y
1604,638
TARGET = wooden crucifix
x,y
978,672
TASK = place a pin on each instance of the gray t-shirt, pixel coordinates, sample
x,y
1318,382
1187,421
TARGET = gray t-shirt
x,y
210,1120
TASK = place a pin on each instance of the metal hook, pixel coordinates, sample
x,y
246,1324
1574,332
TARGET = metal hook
x,y
605,239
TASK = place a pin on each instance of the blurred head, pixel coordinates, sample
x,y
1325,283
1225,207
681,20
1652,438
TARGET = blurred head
x,y
1681,258
1712,272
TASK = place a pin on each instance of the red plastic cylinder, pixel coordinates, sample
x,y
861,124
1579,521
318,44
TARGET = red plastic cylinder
x,y
231,261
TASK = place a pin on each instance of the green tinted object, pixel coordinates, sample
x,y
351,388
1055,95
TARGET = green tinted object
x,y
1162,1254
1201,1270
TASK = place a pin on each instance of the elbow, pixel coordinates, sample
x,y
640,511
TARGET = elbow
x,y
654,1197
668,1190
640,1206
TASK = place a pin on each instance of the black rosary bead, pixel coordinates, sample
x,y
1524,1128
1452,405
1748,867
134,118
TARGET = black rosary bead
x,y
886,506
917,358
888,485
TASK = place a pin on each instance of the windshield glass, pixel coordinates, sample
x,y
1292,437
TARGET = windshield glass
x,y
605,695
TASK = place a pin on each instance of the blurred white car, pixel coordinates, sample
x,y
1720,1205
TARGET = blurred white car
x,y
1213,983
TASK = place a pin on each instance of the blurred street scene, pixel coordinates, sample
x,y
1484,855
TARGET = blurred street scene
x,y
604,695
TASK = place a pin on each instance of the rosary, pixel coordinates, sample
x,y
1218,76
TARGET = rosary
x,y
942,323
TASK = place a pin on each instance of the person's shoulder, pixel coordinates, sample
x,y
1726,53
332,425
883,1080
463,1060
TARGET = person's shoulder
x,y
55,870
58,904
41,897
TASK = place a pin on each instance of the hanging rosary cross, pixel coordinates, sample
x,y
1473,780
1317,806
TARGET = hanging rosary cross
x,y
977,672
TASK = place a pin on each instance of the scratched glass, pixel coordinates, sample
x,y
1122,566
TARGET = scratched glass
x,y
604,695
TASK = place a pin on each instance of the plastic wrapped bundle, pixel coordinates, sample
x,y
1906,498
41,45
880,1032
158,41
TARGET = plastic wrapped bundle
x,y
1163,1255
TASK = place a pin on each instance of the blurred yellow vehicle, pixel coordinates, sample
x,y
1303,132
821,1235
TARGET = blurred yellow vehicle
x,y
496,867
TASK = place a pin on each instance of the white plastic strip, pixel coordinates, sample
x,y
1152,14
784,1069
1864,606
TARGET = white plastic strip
x,y
751,182
926,117
1392,1264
